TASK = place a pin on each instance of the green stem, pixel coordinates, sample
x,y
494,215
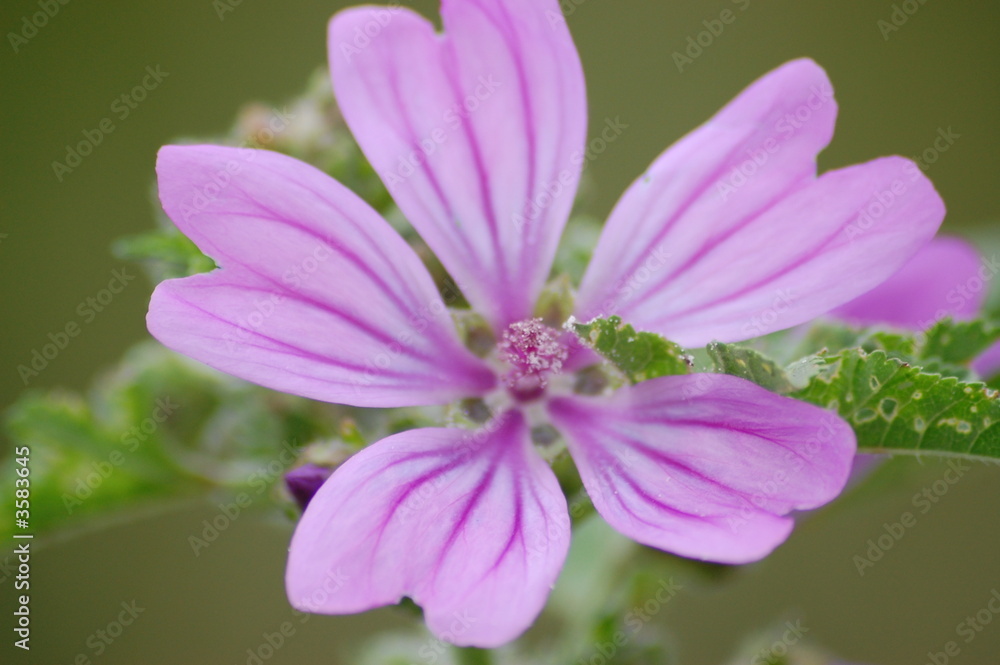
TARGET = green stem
x,y
468,656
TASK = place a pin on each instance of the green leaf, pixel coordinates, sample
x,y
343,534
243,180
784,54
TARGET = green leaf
x,y
833,338
896,345
751,365
947,342
80,467
165,253
895,407
156,427
959,341
639,355
910,349
946,348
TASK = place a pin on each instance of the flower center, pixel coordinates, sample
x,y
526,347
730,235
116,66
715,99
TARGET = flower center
x,y
533,351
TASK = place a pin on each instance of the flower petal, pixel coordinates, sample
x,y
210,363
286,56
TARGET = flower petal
x,y
731,235
705,465
478,133
303,482
987,365
317,295
471,525
942,280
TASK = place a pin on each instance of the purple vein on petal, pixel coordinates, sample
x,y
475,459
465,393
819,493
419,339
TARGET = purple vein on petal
x,y
507,31
781,272
294,350
696,194
387,261
294,296
485,193
353,258
712,243
429,170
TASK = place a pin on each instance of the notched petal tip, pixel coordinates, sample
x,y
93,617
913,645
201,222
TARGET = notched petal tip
x,y
471,525
475,131
706,197
318,295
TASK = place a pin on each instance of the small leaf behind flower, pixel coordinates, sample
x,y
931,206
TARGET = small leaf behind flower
x,y
639,355
751,365
164,253
959,341
946,345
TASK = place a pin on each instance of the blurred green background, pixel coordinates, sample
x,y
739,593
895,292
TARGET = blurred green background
x,y
939,70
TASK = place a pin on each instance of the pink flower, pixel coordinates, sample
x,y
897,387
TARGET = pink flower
x,y
480,136
946,278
